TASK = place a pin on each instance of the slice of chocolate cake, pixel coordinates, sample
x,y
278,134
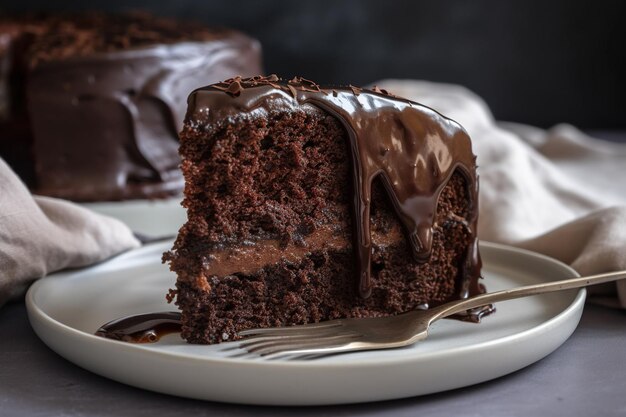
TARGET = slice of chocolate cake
x,y
91,104
308,203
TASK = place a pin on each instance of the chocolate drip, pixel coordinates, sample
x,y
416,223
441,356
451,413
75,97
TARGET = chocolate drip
x,y
127,108
141,328
412,148
143,151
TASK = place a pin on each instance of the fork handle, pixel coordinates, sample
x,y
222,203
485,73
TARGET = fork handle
x,y
519,292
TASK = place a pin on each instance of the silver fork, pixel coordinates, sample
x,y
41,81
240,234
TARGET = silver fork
x,y
347,335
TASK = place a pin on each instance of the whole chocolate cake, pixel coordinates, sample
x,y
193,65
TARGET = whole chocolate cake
x,y
90,105
309,203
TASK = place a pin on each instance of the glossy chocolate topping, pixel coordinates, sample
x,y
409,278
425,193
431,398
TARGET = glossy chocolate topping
x,y
414,149
141,328
104,109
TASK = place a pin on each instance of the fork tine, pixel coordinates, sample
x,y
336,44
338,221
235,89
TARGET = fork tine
x,y
313,352
288,329
255,344
288,336
276,347
322,331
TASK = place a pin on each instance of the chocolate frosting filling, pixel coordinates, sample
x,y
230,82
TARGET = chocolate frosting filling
x,y
412,148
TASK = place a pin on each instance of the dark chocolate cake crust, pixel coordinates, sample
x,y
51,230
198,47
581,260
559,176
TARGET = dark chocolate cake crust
x,y
59,36
270,237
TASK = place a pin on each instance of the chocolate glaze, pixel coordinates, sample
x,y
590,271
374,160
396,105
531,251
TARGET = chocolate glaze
x,y
414,149
105,124
141,328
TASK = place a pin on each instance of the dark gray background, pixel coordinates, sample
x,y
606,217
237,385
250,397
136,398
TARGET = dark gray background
x,y
539,62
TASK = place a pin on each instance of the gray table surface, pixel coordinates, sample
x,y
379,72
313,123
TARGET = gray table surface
x,y
585,377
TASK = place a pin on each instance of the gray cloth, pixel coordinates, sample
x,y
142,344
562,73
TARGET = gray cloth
x,y
558,192
40,235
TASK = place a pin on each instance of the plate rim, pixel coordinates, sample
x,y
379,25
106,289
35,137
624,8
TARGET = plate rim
x,y
35,311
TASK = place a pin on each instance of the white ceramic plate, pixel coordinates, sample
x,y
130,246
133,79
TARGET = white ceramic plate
x,y
65,309
152,218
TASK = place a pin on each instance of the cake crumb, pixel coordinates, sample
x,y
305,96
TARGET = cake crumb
x,y
203,284
171,295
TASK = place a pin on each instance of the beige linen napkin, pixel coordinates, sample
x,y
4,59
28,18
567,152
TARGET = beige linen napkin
x,y
39,235
557,192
